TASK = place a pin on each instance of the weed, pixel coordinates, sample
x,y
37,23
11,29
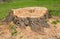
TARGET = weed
x,y
55,22
13,29
14,32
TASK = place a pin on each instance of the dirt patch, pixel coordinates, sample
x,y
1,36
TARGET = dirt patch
x,y
53,32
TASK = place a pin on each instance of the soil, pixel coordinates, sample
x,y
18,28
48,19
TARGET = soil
x,y
53,32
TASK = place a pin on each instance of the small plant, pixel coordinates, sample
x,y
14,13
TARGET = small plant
x,y
55,22
13,29
14,32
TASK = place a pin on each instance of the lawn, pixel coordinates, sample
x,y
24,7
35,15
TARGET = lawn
x,y
52,5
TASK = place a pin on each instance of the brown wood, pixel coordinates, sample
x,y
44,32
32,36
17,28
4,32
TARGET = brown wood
x,y
37,21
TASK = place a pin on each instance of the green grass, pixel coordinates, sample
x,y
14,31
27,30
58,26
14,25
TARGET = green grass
x,y
52,5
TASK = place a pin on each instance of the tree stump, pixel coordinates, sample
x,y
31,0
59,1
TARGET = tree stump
x,y
34,17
